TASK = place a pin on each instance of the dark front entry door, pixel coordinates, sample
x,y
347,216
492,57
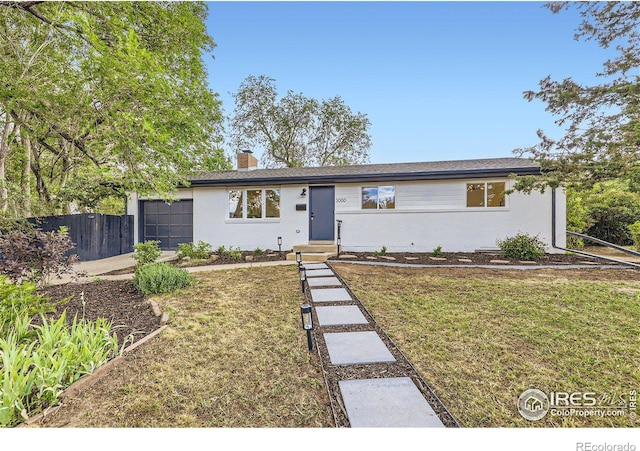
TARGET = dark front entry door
x,y
321,213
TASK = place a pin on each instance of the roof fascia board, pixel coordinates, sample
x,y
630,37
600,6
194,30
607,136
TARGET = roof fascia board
x,y
382,177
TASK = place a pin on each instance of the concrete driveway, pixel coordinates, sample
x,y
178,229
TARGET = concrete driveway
x,y
118,262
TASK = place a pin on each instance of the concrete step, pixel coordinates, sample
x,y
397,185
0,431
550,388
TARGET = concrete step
x,y
312,256
315,248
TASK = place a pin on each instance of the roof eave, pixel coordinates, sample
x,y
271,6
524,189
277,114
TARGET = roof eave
x,y
380,177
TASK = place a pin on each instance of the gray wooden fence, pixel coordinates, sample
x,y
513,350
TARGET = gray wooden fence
x,y
95,235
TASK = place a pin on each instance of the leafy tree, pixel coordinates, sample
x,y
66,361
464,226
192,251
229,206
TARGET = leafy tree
x,y
114,94
602,121
611,207
295,130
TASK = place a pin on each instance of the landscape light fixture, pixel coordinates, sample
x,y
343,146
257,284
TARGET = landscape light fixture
x,y
307,323
280,246
299,258
303,277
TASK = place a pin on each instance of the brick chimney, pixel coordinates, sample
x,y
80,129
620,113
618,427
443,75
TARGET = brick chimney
x,y
246,161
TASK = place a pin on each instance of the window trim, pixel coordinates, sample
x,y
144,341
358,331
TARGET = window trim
x,y
263,206
485,205
377,187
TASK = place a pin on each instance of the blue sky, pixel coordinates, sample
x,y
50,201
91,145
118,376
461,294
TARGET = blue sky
x,y
438,80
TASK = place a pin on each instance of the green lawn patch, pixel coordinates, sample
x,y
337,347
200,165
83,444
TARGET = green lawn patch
x,y
482,337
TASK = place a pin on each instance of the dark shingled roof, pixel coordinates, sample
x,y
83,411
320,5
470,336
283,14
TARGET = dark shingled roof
x,y
433,170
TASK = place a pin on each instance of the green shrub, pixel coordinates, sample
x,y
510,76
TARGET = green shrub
x,y
612,208
17,301
147,252
382,251
155,278
221,251
522,247
437,251
258,251
634,229
235,253
199,251
34,371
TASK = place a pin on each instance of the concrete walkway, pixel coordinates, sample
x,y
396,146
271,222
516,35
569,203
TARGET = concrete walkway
x,y
98,268
378,402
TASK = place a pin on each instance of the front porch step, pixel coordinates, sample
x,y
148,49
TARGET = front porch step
x,y
312,256
314,248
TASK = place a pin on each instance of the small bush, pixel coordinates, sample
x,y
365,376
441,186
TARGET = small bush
x,y
437,251
35,256
199,251
634,229
221,251
258,251
147,252
522,247
382,251
17,301
235,253
156,278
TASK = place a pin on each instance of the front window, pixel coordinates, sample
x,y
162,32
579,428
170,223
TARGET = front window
x,y
236,204
272,203
490,194
378,197
254,204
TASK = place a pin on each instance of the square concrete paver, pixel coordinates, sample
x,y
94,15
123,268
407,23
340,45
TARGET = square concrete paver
x,y
351,348
388,402
330,295
324,282
340,315
315,265
320,273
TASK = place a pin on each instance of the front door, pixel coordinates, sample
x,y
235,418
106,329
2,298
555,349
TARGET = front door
x,y
321,213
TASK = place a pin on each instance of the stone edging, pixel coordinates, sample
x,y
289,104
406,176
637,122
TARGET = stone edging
x,y
88,380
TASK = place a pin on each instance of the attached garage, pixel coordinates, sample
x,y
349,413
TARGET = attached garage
x,y
171,224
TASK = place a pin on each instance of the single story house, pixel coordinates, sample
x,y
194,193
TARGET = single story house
x,y
460,206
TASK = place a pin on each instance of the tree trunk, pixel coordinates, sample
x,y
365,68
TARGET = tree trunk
x,y
26,173
4,151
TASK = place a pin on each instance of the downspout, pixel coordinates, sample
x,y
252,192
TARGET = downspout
x,y
553,218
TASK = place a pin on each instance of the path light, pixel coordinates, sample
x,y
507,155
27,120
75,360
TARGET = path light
x,y
280,246
303,276
299,258
339,221
307,323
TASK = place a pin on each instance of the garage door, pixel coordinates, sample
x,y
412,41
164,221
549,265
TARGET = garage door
x,y
171,224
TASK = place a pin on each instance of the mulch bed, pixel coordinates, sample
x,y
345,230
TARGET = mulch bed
x,y
118,301
472,258
400,368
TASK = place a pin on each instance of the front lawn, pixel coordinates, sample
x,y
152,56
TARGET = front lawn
x,y
482,337
234,355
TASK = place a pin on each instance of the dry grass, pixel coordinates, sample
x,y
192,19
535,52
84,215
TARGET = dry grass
x,y
234,356
482,337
